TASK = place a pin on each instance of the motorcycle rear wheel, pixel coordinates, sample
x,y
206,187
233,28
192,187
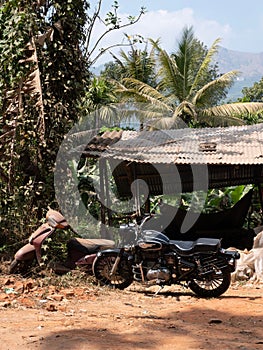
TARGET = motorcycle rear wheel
x,y
213,285
102,266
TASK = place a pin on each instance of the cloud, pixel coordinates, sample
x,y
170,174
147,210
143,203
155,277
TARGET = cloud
x,y
168,26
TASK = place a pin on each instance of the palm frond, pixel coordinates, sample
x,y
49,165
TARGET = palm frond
x,y
166,123
205,63
184,58
109,114
234,109
185,108
144,92
225,80
219,120
170,77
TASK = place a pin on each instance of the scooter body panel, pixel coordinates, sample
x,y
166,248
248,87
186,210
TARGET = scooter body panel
x,y
38,237
27,252
86,260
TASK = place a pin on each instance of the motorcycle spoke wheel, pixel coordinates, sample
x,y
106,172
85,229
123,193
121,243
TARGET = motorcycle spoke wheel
x,y
213,285
102,267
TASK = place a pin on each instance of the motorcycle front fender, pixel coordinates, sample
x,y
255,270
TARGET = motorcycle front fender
x,y
116,251
108,252
27,252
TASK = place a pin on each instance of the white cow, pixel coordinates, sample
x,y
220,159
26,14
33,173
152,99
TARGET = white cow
x,y
250,264
244,270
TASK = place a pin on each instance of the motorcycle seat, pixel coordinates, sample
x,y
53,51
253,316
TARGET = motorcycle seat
x,y
201,245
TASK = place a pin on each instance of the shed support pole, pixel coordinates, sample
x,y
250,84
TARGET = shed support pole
x,y
102,197
260,198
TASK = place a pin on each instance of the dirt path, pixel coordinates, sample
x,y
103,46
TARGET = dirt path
x,y
89,317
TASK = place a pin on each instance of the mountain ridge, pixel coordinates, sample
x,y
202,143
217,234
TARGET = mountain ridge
x,y
250,66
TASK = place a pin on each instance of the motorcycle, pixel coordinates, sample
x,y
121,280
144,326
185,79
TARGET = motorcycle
x,y
149,257
80,252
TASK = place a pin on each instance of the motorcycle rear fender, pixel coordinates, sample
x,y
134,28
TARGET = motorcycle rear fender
x,y
27,252
231,257
230,254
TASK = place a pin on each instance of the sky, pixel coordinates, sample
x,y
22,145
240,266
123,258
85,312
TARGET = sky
x,y
238,23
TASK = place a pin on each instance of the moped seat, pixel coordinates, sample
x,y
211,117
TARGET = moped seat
x,y
89,246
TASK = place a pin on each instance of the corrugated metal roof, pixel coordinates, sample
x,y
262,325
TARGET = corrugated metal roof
x,y
223,145
99,143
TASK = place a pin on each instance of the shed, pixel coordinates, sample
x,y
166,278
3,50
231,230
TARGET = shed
x,y
183,160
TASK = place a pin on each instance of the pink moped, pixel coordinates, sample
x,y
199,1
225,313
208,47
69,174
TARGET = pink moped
x,y
81,252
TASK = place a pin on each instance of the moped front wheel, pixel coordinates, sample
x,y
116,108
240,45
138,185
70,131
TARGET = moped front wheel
x,y
22,267
102,268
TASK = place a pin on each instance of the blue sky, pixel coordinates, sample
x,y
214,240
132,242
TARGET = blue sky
x,y
238,23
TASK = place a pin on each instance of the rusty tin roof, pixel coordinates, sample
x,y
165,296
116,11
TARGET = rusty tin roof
x,y
223,145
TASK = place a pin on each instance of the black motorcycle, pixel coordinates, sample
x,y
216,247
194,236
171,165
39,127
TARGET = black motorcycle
x,y
151,258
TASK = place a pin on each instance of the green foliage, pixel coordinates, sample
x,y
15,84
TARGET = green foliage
x,y
220,199
29,143
56,246
137,63
45,87
16,27
254,93
214,200
99,93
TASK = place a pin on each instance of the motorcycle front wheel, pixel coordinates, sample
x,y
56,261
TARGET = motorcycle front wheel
x,y
102,267
212,285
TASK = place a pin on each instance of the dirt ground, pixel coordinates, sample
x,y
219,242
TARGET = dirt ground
x,y
80,316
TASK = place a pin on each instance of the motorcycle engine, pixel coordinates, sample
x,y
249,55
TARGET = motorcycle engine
x,y
159,274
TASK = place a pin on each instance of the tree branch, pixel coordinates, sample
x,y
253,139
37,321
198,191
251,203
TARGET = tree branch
x,y
91,25
102,51
116,26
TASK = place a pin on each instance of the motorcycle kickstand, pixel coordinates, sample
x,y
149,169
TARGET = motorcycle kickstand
x,y
157,292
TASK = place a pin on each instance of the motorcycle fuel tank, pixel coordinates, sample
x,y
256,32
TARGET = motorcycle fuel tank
x,y
152,240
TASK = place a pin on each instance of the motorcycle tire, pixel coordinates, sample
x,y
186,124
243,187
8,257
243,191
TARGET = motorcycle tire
x,y
212,285
20,267
102,266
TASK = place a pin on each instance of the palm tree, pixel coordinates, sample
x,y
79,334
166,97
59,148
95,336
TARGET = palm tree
x,y
100,101
183,92
136,64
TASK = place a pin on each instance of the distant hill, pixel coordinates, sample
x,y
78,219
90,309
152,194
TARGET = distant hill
x,y
250,66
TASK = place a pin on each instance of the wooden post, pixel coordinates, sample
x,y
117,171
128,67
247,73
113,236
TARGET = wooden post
x,y
147,206
108,233
260,194
102,197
